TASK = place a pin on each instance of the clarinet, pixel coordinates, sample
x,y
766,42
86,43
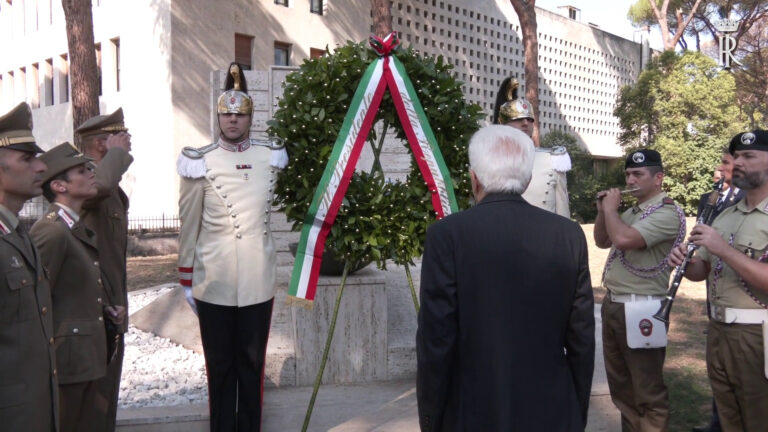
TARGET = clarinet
x,y
704,218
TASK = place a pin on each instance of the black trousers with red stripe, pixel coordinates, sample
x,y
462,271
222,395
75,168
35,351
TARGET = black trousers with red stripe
x,y
235,345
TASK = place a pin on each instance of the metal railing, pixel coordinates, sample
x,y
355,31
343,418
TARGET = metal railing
x,y
35,208
154,224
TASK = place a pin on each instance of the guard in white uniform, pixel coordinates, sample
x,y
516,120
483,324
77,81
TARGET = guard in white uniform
x,y
227,255
549,187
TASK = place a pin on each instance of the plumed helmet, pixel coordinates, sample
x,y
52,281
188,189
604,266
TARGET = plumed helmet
x,y
235,99
509,106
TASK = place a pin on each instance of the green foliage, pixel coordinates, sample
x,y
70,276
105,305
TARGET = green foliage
x,y
583,182
378,219
752,84
641,14
683,106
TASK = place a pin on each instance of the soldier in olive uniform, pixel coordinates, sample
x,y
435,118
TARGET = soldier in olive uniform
x,y
68,251
733,259
548,189
227,255
28,384
106,140
636,276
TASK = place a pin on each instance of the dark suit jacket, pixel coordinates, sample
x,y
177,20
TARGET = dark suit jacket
x,y
730,199
506,337
28,385
107,215
78,295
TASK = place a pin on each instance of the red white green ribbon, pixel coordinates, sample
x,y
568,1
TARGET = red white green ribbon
x,y
384,73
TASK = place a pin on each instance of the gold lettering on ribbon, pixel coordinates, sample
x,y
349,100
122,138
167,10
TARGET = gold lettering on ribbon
x,y
346,152
426,149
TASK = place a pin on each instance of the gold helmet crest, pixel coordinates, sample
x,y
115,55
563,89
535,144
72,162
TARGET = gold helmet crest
x,y
235,99
515,107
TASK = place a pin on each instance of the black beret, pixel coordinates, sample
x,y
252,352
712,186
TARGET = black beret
x,y
755,140
643,158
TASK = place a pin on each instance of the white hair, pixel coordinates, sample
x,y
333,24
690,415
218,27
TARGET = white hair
x,y
502,158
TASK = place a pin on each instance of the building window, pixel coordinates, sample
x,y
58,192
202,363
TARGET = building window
x,y
116,48
98,67
282,53
11,86
64,79
315,53
22,83
282,2
243,50
316,6
34,99
48,83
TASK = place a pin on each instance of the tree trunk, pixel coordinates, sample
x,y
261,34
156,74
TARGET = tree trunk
x,y
671,39
526,14
382,17
83,72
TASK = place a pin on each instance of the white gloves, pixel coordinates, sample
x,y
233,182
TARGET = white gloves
x,y
190,299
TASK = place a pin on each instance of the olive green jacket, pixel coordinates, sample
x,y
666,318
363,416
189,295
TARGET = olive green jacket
x,y
28,383
68,251
107,216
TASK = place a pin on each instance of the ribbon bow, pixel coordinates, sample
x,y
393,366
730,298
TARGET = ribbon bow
x,y
384,47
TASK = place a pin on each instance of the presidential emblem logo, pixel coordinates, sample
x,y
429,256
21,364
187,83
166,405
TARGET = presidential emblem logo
x,y
748,138
638,157
646,327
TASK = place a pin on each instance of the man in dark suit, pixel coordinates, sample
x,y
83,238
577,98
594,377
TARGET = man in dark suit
x,y
729,196
506,336
28,384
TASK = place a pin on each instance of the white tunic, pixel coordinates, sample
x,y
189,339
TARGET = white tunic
x,y
225,241
548,189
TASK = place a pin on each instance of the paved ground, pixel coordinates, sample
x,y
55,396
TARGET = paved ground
x,y
380,406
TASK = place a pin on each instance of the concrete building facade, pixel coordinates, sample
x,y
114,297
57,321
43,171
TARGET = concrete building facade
x,y
157,60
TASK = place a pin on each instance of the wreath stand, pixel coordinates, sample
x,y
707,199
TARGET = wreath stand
x,y
376,219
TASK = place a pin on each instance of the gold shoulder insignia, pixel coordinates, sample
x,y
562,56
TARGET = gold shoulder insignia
x,y
51,215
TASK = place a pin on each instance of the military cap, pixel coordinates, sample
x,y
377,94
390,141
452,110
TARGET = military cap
x,y
103,124
16,130
510,105
643,158
755,140
235,99
61,158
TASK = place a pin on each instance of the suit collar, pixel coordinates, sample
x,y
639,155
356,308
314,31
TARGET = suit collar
x,y
501,196
71,213
8,220
18,242
24,246
78,229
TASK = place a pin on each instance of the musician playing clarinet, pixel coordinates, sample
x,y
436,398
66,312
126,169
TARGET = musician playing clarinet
x,y
636,276
728,195
732,257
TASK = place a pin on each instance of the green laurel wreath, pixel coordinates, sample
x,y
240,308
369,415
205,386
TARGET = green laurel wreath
x,y
379,219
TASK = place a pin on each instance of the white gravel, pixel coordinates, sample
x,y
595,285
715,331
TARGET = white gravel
x,y
156,371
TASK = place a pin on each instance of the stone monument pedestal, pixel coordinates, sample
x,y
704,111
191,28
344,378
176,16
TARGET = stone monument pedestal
x,y
297,337
358,351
